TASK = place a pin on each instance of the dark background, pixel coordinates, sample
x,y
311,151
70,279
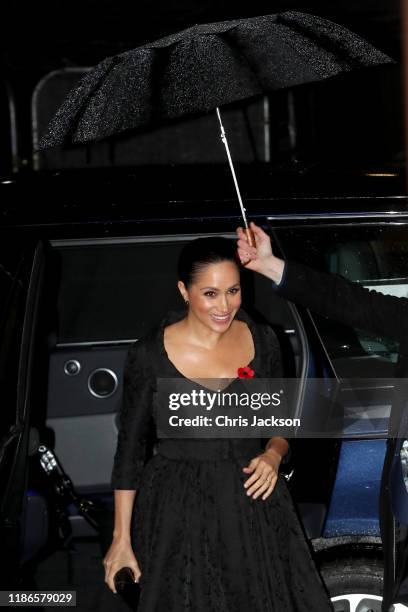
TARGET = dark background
x,y
356,120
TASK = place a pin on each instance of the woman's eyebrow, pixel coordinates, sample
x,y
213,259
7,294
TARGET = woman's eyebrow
x,y
217,289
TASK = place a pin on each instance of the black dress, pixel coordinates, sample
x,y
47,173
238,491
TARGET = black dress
x,y
202,544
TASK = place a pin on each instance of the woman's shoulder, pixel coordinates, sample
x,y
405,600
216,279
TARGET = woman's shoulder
x,y
267,347
142,353
266,331
262,332
149,348
266,341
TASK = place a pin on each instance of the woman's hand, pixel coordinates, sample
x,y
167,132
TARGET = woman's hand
x,y
259,258
120,554
264,469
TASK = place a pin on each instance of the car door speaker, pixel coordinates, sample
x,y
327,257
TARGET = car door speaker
x,y
86,380
102,383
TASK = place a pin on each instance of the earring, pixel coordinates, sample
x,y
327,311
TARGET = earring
x,y
186,302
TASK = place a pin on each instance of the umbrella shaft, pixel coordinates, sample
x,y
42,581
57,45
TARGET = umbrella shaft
x,y
225,141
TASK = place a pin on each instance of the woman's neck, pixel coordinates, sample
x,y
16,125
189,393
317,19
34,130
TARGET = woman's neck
x,y
200,334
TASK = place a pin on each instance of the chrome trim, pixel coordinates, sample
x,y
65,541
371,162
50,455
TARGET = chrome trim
x,y
305,358
322,343
404,462
135,239
332,197
15,162
115,378
67,372
353,602
267,128
62,345
394,547
94,343
330,216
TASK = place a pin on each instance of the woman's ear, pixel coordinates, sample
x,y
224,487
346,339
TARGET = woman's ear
x,y
182,288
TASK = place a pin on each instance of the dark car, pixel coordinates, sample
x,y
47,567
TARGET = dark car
x,y
88,265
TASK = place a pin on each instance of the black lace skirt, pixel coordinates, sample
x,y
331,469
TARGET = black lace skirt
x,y
203,545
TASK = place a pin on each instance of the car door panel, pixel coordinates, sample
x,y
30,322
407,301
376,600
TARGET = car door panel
x,y
18,334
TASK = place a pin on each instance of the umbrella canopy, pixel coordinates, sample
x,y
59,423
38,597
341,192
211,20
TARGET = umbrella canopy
x,y
203,67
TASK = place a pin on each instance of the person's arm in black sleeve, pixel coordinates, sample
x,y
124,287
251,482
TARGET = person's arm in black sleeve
x,y
135,417
337,298
327,294
134,420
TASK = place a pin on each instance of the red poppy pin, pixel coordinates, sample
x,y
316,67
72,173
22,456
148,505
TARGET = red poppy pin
x,y
246,372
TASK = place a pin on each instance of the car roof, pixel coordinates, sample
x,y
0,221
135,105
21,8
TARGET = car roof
x,y
191,194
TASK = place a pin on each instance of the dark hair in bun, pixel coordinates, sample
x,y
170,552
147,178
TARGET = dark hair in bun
x,y
202,252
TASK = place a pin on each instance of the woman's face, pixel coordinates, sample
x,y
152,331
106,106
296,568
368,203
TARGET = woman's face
x,y
215,295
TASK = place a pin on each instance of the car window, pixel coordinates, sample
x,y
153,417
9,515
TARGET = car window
x,y
114,292
375,256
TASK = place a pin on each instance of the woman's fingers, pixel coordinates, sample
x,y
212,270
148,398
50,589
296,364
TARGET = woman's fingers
x,y
271,487
259,482
258,486
113,564
251,480
251,467
263,479
110,571
113,568
136,572
261,489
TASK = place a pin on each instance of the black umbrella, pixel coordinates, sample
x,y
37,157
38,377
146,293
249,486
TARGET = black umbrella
x,y
203,67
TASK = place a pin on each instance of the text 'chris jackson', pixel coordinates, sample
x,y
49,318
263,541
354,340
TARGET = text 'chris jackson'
x,y
226,421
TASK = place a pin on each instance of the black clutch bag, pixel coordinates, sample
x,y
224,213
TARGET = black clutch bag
x,y
126,587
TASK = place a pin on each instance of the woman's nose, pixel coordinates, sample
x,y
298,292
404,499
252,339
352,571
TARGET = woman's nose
x,y
223,303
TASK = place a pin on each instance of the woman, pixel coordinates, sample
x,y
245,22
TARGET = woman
x,y
213,524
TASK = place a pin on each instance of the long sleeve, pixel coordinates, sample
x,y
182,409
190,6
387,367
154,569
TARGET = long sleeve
x,y
134,420
335,297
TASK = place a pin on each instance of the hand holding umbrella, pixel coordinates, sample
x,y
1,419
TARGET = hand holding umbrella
x,y
259,256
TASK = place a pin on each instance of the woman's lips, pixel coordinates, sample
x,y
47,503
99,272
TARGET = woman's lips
x,y
221,318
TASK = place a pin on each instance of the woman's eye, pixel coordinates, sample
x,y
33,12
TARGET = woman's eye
x,y
232,291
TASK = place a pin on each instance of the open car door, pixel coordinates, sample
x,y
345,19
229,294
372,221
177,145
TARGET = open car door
x,y
394,520
21,274
370,501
